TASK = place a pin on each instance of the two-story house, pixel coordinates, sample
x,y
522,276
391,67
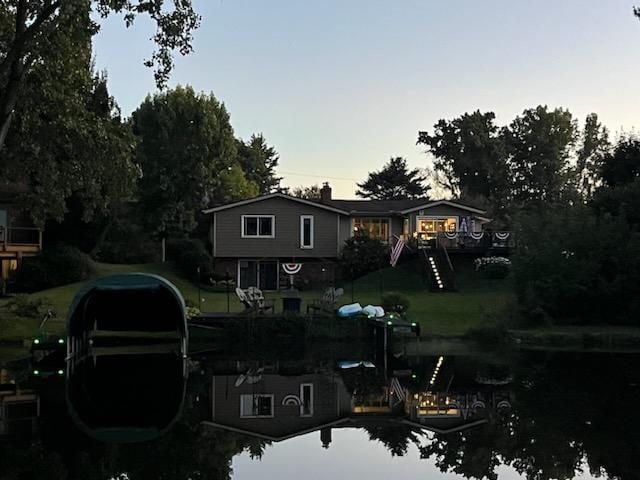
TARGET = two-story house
x,y
18,236
251,238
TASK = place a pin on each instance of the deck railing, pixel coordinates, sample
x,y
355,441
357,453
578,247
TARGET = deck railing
x,y
462,240
20,236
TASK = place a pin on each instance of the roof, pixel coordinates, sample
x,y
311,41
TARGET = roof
x,y
274,195
351,207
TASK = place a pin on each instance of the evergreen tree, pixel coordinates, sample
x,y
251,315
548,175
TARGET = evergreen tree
x,y
394,182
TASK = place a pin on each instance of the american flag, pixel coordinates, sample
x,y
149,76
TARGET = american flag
x,y
395,252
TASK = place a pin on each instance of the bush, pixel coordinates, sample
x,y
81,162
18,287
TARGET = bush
x,y
493,267
22,306
188,255
59,265
361,255
128,243
395,302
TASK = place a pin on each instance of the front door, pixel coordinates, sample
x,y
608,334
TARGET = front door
x,y
268,272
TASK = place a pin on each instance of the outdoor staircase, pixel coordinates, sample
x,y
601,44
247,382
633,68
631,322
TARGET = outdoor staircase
x,y
440,277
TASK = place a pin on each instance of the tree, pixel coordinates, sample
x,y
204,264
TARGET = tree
x,y
469,156
539,144
394,182
68,139
590,156
311,192
187,153
623,165
27,28
259,161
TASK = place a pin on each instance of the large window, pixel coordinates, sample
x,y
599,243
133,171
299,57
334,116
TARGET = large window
x,y
306,231
258,226
429,227
254,406
373,227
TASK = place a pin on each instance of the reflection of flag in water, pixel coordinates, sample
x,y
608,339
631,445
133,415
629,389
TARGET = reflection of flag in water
x,y
397,389
395,252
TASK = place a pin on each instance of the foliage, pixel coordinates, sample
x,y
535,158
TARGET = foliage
x,y
67,138
469,156
539,143
395,302
493,267
577,267
622,166
59,265
187,153
28,28
190,258
394,182
311,192
361,255
24,306
590,157
259,161
127,242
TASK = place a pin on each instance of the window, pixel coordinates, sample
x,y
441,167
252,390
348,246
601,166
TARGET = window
x,y
254,406
373,227
306,400
306,231
258,226
429,227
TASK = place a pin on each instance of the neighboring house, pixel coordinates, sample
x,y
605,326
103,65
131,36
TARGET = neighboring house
x,y
18,236
251,238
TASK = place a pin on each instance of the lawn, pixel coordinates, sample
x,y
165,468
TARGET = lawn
x,y
451,313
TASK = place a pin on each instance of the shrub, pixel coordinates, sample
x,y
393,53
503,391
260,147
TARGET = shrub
x,y
493,267
395,302
128,243
361,255
188,255
59,265
22,306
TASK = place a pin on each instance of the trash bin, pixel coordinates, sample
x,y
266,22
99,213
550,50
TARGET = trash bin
x,y
291,301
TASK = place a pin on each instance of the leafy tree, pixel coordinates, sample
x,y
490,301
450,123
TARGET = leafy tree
x,y
539,144
68,138
590,156
469,156
394,182
361,255
622,166
28,27
187,153
259,161
311,192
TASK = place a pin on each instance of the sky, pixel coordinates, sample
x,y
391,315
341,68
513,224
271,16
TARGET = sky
x,y
350,455
340,86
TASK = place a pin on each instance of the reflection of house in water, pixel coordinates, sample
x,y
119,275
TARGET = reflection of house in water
x,y
19,410
274,406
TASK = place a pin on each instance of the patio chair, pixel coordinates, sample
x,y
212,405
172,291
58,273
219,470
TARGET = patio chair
x,y
259,303
248,305
328,302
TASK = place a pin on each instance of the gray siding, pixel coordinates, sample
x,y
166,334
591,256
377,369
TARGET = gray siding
x,y
227,235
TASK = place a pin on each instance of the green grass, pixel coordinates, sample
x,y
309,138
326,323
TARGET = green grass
x,y
452,313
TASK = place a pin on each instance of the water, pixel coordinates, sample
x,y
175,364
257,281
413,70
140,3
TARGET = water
x,y
253,414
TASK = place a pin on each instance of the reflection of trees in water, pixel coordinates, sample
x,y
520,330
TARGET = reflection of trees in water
x,y
568,409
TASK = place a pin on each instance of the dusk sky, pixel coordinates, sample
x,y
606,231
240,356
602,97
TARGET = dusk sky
x,y
338,87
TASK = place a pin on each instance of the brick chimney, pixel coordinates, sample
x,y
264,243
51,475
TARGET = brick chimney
x,y
325,192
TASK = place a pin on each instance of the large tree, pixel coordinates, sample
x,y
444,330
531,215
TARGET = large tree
x,y
594,147
539,145
259,161
394,182
187,153
469,157
68,139
311,192
622,166
27,26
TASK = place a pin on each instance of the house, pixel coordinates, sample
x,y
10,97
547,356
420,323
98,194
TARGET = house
x,y
251,238
18,236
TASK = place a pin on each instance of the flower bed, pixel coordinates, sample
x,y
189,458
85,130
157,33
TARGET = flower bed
x,y
493,267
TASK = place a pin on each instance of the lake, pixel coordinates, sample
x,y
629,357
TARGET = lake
x,y
318,412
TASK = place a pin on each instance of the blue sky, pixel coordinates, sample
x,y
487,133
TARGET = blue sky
x,y
340,86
